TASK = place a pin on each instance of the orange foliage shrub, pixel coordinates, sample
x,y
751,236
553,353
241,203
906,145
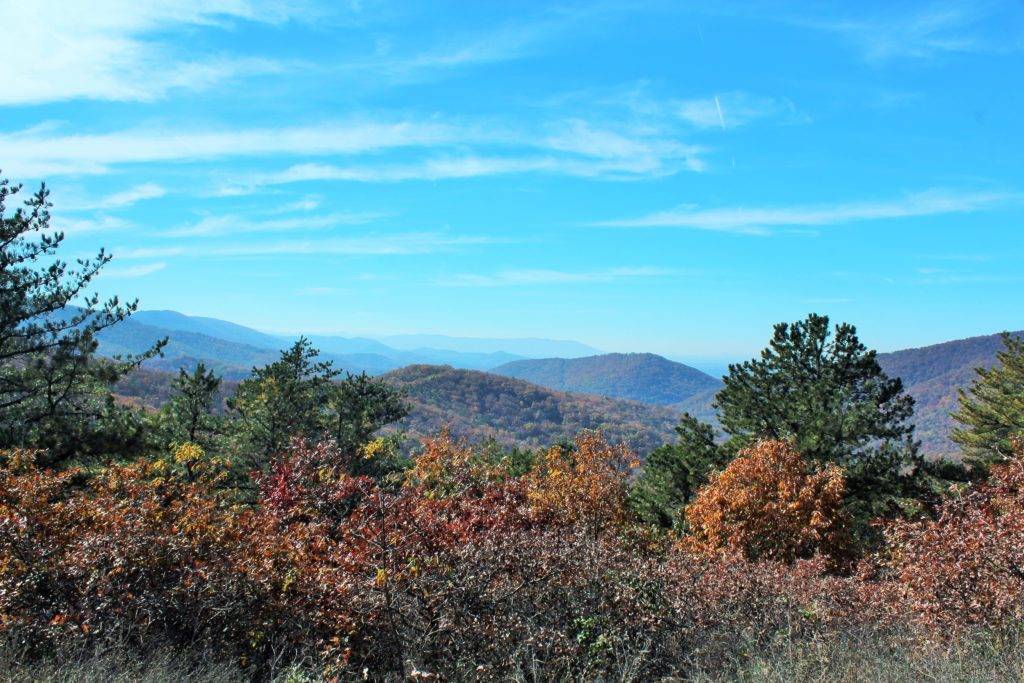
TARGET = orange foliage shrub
x,y
966,567
585,484
143,555
448,467
770,504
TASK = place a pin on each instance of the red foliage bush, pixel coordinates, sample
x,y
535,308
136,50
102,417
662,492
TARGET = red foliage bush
x,y
965,567
138,555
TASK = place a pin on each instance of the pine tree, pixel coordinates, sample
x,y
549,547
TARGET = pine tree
x,y
360,405
673,473
190,411
54,392
357,407
992,412
822,390
283,400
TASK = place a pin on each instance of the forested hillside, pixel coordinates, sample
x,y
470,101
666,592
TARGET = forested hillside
x,y
482,405
475,405
933,375
642,377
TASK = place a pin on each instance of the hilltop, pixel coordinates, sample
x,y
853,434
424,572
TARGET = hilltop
x,y
644,377
477,405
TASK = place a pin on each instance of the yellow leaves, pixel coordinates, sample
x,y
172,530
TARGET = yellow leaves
x,y
188,453
585,484
20,460
382,577
449,467
374,448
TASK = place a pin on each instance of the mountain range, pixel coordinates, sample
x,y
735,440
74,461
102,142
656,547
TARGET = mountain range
x,y
528,396
233,350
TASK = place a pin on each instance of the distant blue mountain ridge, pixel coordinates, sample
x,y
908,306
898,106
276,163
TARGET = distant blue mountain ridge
x,y
233,350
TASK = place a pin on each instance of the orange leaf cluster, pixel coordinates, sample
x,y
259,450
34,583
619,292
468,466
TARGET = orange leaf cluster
x,y
769,503
447,467
584,484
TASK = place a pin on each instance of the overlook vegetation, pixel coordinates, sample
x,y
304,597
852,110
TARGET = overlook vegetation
x,y
280,527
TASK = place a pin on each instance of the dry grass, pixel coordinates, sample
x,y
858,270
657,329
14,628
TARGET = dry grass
x,y
837,657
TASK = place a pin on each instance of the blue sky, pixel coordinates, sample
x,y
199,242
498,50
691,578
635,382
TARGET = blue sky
x,y
668,177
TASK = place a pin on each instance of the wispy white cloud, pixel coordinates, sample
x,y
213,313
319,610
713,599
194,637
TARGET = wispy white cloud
x,y
40,152
763,220
101,223
524,37
734,109
572,147
117,200
105,49
308,203
513,278
141,270
924,32
397,244
448,168
213,226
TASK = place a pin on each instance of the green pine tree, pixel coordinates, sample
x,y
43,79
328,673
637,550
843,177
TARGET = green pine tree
x,y
823,391
54,392
283,400
673,473
992,412
358,406
190,412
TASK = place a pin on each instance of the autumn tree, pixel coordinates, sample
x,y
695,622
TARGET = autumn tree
x,y
283,400
771,503
584,484
54,392
673,473
991,414
823,391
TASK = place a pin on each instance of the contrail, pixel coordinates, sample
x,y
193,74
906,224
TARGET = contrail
x,y
718,106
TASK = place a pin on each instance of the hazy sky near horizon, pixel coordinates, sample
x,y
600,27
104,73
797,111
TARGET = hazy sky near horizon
x,y
649,176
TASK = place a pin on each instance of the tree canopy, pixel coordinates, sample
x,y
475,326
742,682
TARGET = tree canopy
x,y
54,392
992,411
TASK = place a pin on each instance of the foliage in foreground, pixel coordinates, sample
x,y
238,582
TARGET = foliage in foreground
x,y
821,390
461,567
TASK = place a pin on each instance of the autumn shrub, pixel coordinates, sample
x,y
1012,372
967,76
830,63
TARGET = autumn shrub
x,y
770,504
138,554
965,567
462,571
585,484
447,467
